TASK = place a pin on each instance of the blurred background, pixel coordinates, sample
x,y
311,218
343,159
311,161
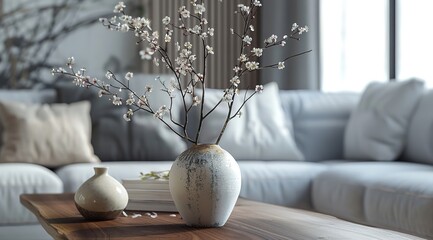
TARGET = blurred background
x,y
353,42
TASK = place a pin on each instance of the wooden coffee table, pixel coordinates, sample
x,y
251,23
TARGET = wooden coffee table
x,y
249,220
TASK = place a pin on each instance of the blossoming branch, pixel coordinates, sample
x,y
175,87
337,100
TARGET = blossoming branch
x,y
189,78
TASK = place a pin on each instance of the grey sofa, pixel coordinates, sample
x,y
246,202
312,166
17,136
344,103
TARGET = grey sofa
x,y
396,195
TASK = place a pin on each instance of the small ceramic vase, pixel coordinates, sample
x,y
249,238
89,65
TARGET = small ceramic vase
x,y
101,197
205,182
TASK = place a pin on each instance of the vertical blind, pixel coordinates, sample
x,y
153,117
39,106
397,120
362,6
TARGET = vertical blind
x,y
221,17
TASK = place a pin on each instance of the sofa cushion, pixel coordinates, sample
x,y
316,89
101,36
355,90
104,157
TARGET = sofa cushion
x,y
49,134
260,133
27,96
402,201
74,175
340,190
319,120
282,183
377,128
420,133
19,178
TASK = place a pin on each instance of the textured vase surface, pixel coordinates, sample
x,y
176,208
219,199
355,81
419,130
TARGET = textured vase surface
x,y
205,182
101,197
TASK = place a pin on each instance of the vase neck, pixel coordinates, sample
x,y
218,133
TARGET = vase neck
x,y
101,170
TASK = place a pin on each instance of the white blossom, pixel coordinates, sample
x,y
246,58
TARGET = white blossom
x,y
236,69
102,92
283,43
71,62
303,29
294,26
119,7
247,39
167,38
124,28
129,75
281,65
199,9
188,45
196,100
166,20
140,23
127,116
209,49
228,96
244,8
198,78
183,12
161,112
117,100
108,75
257,3
235,81
259,88
131,99
252,66
251,28
257,51
243,58
143,102
196,29
210,31
272,39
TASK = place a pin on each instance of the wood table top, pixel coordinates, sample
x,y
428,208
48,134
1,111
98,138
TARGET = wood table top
x,y
249,220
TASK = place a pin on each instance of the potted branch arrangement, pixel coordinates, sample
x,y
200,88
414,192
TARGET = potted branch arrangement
x,y
205,180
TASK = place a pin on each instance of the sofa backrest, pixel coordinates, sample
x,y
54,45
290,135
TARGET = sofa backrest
x,y
319,120
115,139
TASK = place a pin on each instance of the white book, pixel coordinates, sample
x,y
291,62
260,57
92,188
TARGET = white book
x,y
159,195
149,184
156,206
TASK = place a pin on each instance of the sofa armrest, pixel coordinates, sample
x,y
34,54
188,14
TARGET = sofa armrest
x,y
19,178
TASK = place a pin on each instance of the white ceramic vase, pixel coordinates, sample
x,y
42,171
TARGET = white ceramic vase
x,y
101,197
205,182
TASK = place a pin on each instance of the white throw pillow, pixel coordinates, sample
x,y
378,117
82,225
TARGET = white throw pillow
x,y
377,128
419,147
49,135
261,133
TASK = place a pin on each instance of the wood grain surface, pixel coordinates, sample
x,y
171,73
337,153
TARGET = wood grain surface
x,y
249,220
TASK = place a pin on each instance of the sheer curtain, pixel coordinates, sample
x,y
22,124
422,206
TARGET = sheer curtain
x,y
354,43
415,40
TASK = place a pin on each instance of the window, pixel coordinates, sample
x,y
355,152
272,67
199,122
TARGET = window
x,y
354,43
415,40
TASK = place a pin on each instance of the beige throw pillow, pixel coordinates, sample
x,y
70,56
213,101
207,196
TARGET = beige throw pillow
x,y
49,135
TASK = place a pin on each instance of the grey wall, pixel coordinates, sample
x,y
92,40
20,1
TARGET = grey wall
x,y
277,17
95,48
